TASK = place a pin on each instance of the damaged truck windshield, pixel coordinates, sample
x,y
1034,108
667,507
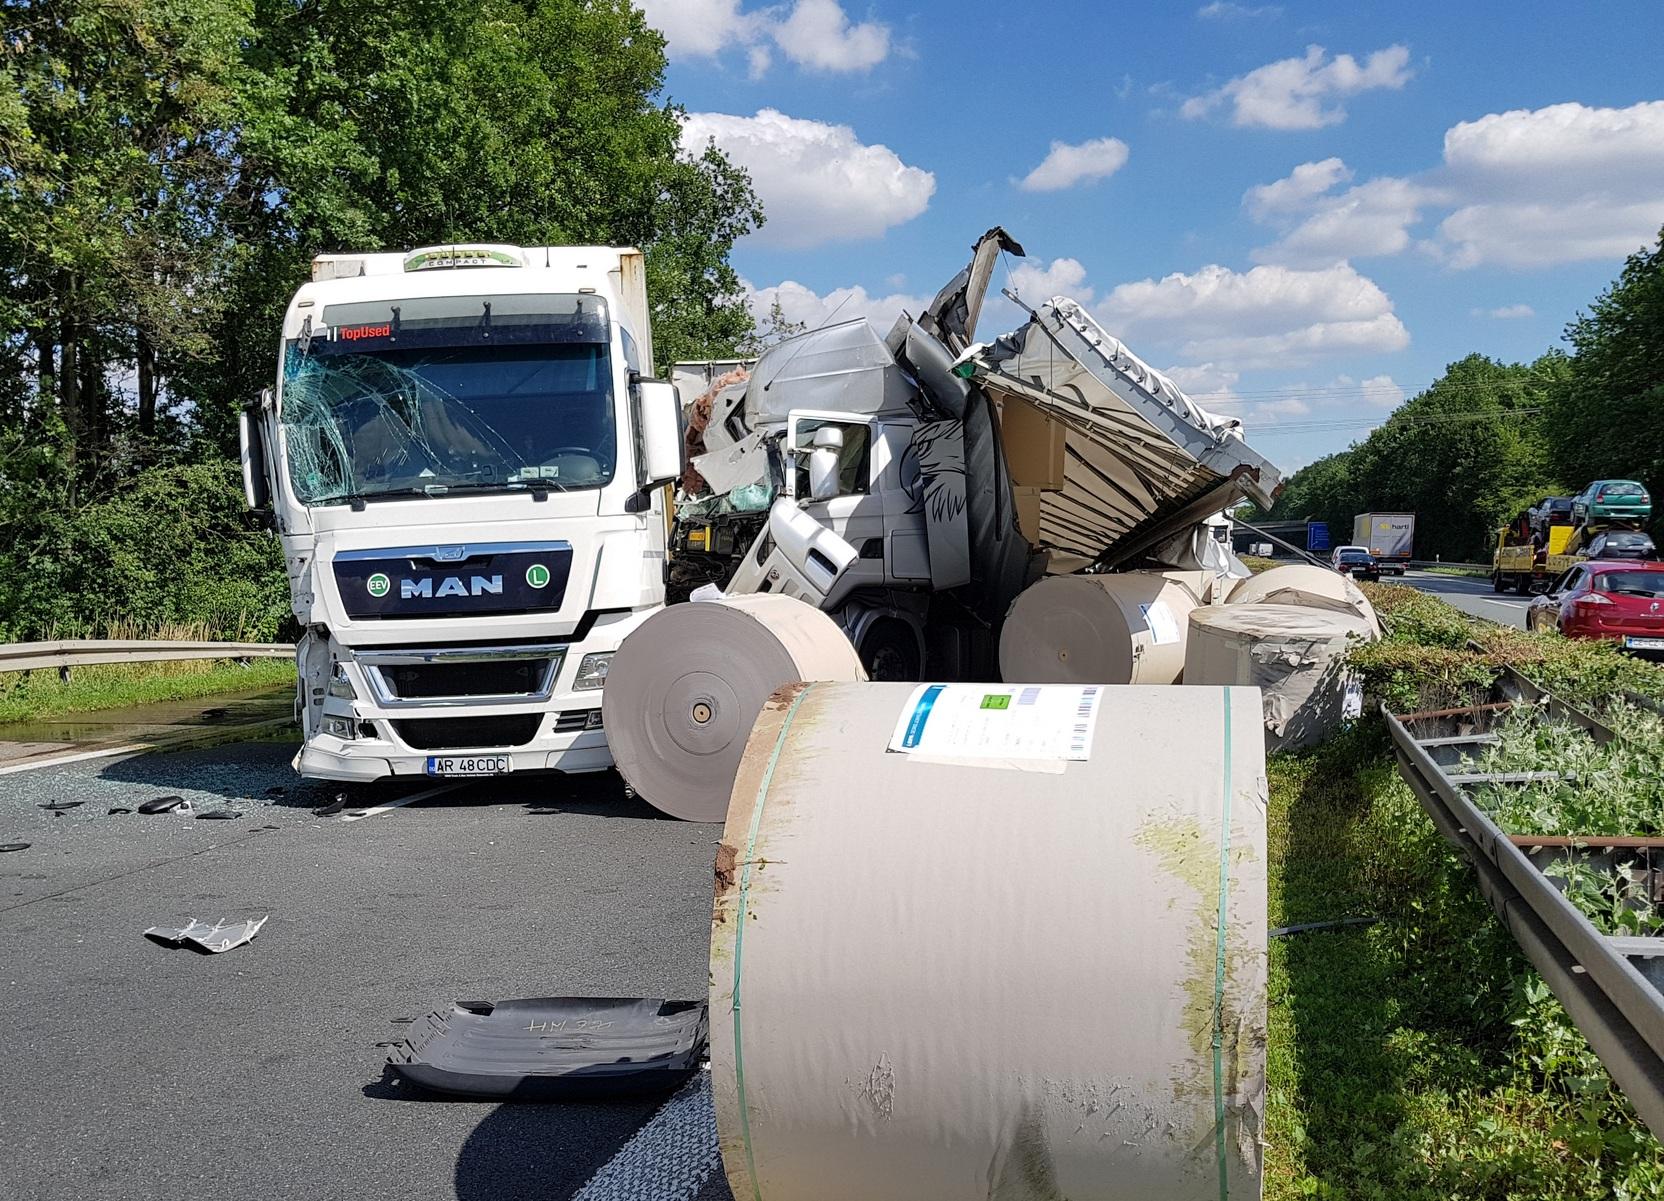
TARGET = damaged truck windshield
x,y
446,394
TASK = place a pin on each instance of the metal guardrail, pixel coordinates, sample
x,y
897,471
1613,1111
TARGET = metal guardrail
x,y
1612,987
1487,568
76,652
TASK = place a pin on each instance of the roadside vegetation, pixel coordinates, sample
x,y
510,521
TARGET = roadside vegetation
x,y
32,696
1421,1057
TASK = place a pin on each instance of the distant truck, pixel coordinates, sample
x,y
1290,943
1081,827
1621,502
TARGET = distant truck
x,y
1388,537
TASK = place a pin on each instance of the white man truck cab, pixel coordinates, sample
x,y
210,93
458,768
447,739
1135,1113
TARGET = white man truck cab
x,y
465,459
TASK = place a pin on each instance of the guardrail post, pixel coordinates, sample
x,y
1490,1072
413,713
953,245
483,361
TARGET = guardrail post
x,y
63,674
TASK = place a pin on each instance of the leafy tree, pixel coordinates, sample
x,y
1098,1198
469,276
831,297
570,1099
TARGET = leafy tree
x,y
1463,456
1607,421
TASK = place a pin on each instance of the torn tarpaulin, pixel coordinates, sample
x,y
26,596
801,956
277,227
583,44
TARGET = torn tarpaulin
x,y
221,936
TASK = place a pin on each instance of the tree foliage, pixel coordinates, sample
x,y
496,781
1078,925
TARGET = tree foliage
x,y
169,167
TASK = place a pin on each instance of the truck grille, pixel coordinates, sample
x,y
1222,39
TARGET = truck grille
x,y
468,733
493,677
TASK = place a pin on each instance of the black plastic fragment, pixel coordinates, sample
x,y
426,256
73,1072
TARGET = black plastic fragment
x,y
6,847
556,1048
334,807
115,809
55,805
541,810
161,804
219,815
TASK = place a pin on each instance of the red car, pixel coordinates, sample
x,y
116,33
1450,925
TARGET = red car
x,y
1605,598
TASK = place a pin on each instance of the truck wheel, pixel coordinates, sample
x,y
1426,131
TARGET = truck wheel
x,y
1497,582
890,652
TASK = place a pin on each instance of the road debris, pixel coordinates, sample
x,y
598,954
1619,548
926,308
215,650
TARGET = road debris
x,y
165,804
334,807
221,936
8,847
220,815
556,1048
56,806
115,809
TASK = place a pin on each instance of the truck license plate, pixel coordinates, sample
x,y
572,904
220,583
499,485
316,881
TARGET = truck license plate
x,y
1644,644
469,765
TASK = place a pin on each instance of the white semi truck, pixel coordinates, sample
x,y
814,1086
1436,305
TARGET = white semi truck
x,y
466,462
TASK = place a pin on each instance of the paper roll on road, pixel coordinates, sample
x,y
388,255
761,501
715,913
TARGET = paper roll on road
x,y
1305,584
970,941
685,686
1124,628
1294,654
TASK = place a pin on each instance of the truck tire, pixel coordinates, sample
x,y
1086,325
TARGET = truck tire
x,y
1498,584
890,652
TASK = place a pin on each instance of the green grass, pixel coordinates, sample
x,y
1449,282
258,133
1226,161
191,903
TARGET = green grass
x,y
26,696
1419,1058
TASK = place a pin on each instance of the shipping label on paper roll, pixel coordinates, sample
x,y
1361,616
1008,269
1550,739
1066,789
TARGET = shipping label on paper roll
x,y
995,721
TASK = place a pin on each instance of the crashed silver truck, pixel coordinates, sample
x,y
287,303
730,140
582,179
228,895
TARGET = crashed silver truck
x,y
912,483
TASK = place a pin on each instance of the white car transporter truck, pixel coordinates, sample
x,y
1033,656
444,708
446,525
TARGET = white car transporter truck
x,y
466,467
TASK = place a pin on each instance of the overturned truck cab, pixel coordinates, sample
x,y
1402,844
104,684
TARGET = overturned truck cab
x,y
911,484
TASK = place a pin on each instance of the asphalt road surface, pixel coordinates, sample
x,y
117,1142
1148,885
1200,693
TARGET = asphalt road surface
x,y
132,1070
1472,595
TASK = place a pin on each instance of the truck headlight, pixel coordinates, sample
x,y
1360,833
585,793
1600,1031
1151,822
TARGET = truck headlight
x,y
339,685
340,727
592,671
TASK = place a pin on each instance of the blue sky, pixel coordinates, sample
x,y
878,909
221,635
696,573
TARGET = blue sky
x,y
1302,211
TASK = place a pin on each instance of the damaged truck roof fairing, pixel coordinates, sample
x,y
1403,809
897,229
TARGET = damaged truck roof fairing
x,y
1141,459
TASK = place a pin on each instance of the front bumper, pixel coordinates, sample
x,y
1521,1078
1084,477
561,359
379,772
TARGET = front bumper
x,y
363,760
377,733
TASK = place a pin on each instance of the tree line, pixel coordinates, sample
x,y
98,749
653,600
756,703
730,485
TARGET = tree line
x,y
1487,439
168,168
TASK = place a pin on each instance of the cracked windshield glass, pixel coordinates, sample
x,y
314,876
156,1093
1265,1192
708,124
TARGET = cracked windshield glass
x,y
438,395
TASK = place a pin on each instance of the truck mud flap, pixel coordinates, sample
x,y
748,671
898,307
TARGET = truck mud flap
x,y
556,1048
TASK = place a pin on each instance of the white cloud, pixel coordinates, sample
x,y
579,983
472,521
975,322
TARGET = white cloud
x,y
1320,226
1303,93
1297,190
819,35
1508,312
1379,390
1223,10
815,34
1522,189
1561,141
801,303
818,182
1267,316
1566,183
1066,165
1037,284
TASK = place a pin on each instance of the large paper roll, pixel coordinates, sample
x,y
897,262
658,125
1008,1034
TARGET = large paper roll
x,y
1308,585
685,686
1294,654
993,941
1124,628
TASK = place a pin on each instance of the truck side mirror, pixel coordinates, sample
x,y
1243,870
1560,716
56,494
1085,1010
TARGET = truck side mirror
x,y
661,433
249,434
823,463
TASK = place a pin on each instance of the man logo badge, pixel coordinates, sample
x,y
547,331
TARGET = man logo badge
x,y
479,585
537,576
378,585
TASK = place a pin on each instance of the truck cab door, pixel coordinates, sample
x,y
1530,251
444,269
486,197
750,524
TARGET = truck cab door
x,y
836,477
